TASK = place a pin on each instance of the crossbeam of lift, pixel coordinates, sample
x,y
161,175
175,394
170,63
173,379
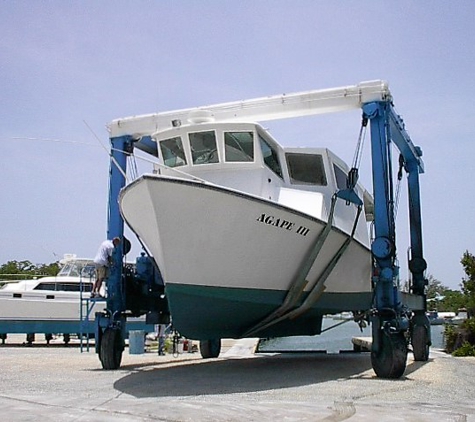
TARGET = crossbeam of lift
x,y
394,313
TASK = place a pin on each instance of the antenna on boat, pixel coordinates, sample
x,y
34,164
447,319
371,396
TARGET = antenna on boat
x,y
61,141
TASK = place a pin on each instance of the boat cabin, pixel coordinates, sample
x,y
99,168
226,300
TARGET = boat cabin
x,y
245,157
75,275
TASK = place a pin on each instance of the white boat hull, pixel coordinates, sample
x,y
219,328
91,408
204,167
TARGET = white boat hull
x,y
33,313
36,307
228,259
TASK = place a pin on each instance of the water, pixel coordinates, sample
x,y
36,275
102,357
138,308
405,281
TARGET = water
x,y
335,339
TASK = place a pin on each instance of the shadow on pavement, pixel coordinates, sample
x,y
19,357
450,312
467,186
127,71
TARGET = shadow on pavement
x,y
413,366
226,376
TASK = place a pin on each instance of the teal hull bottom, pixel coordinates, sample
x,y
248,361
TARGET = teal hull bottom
x,y
203,312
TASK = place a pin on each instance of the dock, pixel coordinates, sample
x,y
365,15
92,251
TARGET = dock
x,y
61,384
362,344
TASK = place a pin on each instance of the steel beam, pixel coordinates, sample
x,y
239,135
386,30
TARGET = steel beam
x,y
120,146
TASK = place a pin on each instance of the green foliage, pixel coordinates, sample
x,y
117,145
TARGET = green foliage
x,y
434,287
441,298
14,270
16,267
453,301
466,349
460,340
468,283
450,337
469,326
48,269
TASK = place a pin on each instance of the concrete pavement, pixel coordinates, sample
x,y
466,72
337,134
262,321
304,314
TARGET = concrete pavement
x,y
61,384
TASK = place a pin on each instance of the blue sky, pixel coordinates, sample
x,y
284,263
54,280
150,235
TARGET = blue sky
x,y
65,64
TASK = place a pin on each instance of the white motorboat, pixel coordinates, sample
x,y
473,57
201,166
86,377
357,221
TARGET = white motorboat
x,y
51,298
451,318
250,237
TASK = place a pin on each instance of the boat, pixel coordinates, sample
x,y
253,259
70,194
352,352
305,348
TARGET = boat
x,y
460,317
439,318
253,239
51,304
59,304
450,318
51,297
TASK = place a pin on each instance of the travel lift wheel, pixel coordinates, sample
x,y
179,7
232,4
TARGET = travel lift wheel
x,y
420,343
390,360
111,348
210,348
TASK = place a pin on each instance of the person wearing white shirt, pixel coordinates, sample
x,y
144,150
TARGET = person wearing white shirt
x,y
103,261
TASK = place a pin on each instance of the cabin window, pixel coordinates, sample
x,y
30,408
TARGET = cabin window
x,y
89,271
203,147
270,157
239,146
172,152
45,286
74,272
74,287
68,269
341,177
306,169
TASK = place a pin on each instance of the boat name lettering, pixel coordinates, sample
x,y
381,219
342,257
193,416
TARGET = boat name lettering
x,y
283,224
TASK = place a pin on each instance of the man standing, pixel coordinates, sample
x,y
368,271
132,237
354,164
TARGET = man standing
x,y
103,261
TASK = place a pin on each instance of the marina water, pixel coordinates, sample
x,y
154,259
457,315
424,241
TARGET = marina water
x,y
335,339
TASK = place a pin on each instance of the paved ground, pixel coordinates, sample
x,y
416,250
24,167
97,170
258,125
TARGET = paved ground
x,y
61,384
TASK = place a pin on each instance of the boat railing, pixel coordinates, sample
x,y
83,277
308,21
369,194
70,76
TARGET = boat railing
x,y
157,167
185,175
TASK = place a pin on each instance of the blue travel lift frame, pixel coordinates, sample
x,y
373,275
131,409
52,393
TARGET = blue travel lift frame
x,y
395,316
110,327
391,318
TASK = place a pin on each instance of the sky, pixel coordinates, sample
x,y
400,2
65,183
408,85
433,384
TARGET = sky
x,y
69,68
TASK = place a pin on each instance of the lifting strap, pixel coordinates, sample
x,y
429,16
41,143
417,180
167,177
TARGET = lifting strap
x,y
298,286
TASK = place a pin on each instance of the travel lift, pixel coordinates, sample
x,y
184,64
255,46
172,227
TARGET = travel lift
x,y
396,317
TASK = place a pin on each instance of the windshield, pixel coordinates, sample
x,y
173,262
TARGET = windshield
x,y
203,147
239,146
77,269
271,159
172,152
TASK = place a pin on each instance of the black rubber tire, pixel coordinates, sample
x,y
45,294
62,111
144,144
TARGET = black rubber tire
x,y
390,361
111,349
420,343
210,348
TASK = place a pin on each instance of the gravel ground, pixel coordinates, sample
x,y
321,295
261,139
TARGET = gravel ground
x,y
61,384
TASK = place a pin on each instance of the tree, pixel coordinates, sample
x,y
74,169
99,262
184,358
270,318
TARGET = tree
x,y
435,288
468,283
13,270
452,301
461,340
443,299
48,269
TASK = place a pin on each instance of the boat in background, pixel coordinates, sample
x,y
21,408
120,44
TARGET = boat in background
x,y
452,318
49,304
252,239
